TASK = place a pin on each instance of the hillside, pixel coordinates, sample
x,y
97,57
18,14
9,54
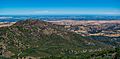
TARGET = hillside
x,y
38,39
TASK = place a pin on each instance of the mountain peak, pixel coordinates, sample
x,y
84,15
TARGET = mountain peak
x,y
42,39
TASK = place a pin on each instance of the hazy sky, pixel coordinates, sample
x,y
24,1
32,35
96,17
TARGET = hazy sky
x,y
28,7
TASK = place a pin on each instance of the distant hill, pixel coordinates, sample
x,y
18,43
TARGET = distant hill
x,y
37,39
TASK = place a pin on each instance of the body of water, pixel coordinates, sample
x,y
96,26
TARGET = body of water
x,y
15,18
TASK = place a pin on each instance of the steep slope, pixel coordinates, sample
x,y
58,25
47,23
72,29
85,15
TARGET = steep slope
x,y
39,39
